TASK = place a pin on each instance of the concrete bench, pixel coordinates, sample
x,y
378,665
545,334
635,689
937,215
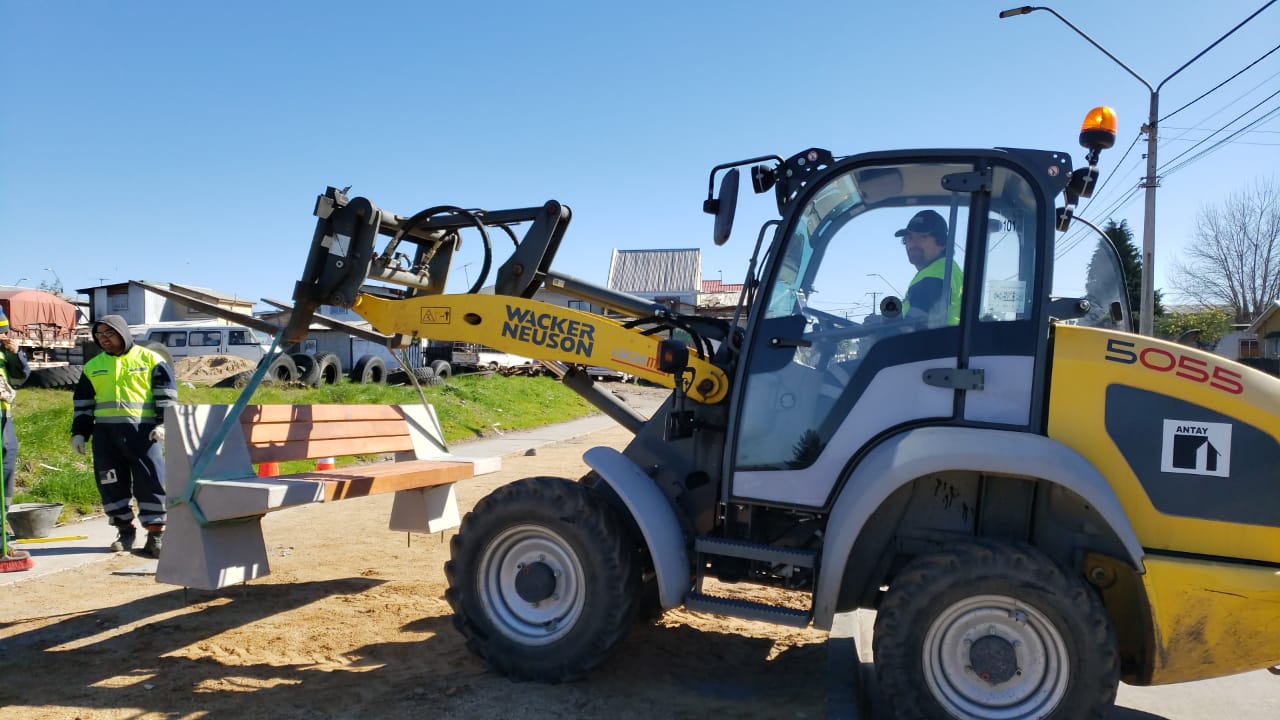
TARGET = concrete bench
x,y
214,536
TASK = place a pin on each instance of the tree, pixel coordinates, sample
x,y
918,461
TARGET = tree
x,y
1213,324
1235,261
1130,263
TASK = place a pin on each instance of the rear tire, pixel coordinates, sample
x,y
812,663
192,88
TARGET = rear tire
x,y
990,629
543,580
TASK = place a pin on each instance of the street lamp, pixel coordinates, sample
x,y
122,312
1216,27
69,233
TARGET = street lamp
x,y
1146,324
57,280
886,282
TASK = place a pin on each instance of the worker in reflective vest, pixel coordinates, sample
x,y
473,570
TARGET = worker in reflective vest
x,y
931,293
120,403
13,370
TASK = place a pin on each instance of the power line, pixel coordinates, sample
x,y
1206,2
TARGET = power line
x,y
1223,109
1220,143
1224,82
1169,163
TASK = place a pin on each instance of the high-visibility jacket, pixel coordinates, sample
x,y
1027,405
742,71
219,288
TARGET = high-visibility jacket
x,y
124,391
13,366
946,309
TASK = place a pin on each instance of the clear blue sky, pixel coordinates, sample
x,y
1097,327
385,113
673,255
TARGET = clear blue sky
x,y
186,142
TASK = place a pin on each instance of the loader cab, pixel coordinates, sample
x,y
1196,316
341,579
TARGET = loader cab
x,y
861,328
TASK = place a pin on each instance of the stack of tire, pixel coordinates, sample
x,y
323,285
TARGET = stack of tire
x,y
434,374
310,370
58,376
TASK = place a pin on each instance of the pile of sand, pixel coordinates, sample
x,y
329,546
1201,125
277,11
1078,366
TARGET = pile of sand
x,y
209,369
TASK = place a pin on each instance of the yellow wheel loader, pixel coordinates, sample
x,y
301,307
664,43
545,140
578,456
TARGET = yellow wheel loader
x,y
1037,502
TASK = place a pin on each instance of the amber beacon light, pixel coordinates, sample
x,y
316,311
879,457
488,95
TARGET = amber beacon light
x,y
1098,131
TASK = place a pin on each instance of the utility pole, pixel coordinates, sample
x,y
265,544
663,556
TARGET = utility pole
x,y
874,295
1146,318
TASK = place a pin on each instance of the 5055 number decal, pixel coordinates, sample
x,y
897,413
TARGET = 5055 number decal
x,y
1186,367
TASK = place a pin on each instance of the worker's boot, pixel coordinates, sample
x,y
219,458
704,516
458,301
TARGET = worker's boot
x,y
155,539
124,541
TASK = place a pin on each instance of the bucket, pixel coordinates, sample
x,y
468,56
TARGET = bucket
x,y
34,520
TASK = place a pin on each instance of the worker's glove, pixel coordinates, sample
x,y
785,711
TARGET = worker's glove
x,y
157,434
77,443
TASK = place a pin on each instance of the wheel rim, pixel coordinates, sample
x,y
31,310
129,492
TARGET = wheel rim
x,y
992,656
506,595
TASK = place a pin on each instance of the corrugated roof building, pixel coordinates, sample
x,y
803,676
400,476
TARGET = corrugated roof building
x,y
671,277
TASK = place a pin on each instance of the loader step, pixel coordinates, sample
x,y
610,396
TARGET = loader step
x,y
747,610
748,550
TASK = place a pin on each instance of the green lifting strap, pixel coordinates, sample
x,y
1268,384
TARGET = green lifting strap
x,y
206,453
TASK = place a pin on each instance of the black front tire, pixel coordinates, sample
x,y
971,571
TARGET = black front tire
x,y
543,580
990,629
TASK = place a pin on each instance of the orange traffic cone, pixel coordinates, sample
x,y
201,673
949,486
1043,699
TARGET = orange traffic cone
x,y
326,463
268,469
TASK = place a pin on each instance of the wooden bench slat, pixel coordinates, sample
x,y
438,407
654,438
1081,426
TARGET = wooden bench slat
x,y
312,449
361,480
264,433
254,414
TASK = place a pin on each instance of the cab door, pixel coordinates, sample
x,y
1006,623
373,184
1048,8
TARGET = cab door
x,y
834,363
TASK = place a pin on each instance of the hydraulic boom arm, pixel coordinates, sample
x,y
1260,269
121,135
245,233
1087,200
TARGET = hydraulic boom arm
x,y
343,257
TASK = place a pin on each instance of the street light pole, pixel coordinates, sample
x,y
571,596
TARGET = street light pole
x,y
56,279
1146,321
1146,317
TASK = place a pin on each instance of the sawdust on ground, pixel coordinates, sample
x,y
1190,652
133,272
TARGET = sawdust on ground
x,y
209,369
352,623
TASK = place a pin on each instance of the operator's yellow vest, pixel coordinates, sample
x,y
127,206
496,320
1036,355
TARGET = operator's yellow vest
x,y
122,385
950,301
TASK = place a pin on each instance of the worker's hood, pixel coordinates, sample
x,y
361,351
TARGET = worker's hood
x,y
117,323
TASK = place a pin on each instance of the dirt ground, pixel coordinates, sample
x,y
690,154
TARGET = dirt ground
x,y
352,623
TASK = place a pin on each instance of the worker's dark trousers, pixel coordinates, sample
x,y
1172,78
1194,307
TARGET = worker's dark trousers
x,y
128,465
10,456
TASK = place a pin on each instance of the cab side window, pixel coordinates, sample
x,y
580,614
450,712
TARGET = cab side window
x,y
1008,285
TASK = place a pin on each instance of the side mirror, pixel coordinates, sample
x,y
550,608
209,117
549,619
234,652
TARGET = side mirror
x,y
725,206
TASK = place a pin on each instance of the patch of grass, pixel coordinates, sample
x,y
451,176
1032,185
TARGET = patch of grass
x,y
468,407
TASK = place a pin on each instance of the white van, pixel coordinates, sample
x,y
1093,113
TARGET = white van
x,y
186,340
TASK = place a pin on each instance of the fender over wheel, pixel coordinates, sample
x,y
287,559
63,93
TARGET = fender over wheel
x,y
993,630
543,580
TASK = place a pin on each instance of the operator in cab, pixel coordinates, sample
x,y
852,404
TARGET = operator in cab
x,y
930,295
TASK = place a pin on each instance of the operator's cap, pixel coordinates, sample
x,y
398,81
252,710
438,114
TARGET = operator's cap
x,y
4,322
928,222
